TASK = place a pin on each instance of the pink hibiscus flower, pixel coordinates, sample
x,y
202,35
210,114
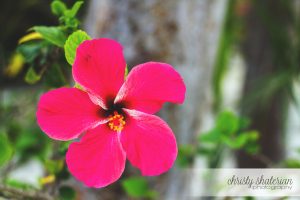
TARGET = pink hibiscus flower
x,y
115,114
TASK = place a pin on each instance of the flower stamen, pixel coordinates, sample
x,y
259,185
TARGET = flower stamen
x,y
116,122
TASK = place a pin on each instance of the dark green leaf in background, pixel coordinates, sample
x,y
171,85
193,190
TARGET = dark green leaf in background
x,y
55,76
31,76
6,150
54,166
67,193
31,50
186,154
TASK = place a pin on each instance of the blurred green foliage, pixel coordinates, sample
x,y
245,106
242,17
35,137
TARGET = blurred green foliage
x,y
19,128
44,54
283,31
186,155
67,193
230,131
291,163
137,187
6,149
31,76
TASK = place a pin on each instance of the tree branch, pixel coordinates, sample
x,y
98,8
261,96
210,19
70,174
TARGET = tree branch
x,y
21,194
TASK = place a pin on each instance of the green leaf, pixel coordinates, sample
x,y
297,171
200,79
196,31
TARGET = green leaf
x,y
31,50
227,123
63,146
244,123
54,35
67,193
206,150
73,41
137,187
55,76
71,22
186,155
30,142
25,141
6,149
211,136
235,143
252,147
31,76
245,140
242,139
75,8
63,174
69,16
291,163
58,8
54,166
252,135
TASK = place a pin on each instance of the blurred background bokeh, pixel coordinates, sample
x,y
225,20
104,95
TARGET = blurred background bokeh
x,y
240,60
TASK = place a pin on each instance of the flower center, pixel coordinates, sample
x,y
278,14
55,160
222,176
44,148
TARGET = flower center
x,y
116,122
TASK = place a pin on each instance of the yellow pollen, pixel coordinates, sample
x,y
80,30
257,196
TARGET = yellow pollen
x,y
116,122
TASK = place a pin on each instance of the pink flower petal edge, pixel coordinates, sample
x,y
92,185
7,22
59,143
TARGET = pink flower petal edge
x,y
149,143
64,113
98,159
149,85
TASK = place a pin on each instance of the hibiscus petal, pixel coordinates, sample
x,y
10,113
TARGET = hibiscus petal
x,y
64,113
98,159
149,143
99,67
149,85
